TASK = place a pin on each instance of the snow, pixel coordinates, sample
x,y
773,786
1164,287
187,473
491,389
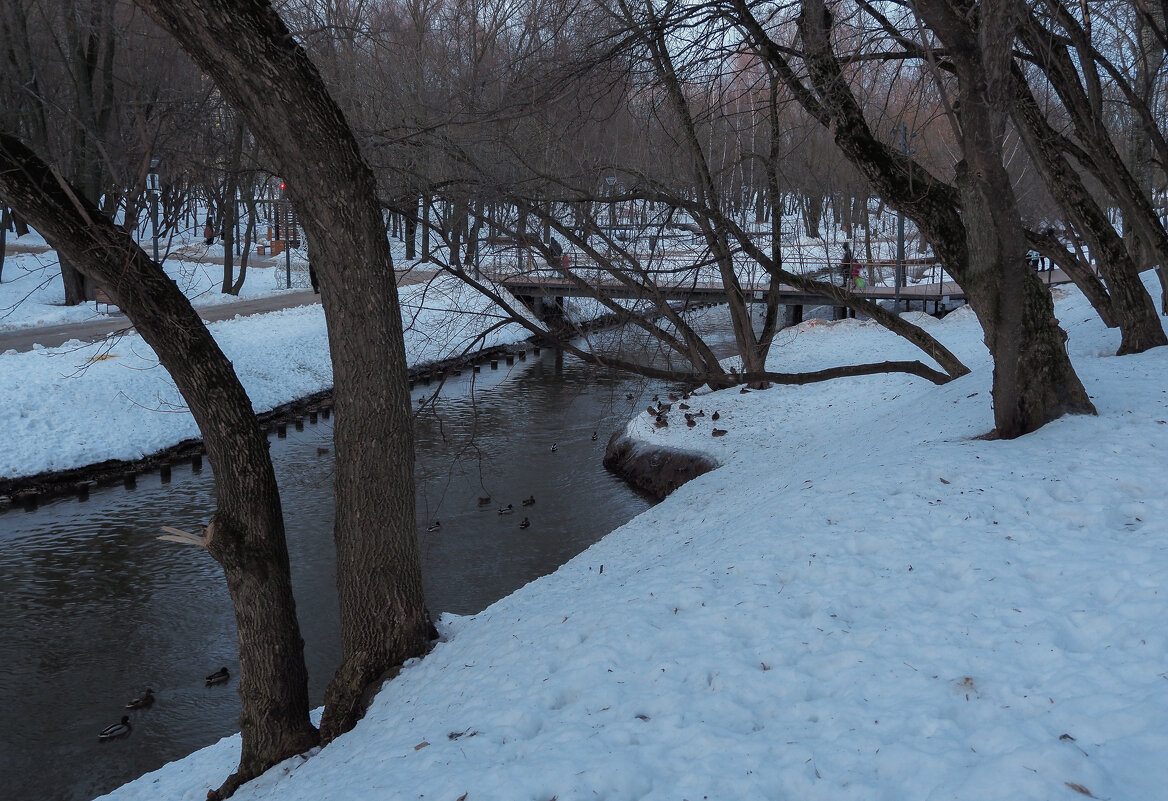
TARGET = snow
x,y
866,600
132,407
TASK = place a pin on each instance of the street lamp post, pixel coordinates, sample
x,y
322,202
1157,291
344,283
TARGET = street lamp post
x,y
152,188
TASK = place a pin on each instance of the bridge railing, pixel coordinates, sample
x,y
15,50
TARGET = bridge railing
x,y
668,268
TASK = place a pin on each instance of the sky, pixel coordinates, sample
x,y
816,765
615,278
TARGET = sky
x,y
865,600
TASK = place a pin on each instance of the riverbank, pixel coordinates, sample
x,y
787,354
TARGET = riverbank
x,y
103,411
866,601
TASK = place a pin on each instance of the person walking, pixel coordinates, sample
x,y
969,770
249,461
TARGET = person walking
x,y
847,266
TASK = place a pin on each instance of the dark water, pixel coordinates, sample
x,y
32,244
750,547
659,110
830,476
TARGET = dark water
x,y
95,609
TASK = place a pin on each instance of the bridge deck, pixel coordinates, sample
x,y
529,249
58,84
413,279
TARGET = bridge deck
x,y
548,286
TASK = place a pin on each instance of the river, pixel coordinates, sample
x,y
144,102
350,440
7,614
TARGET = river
x,y
96,608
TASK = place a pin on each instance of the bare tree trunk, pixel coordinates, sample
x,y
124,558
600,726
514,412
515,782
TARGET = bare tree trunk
x,y
246,533
256,62
1002,292
230,217
1034,380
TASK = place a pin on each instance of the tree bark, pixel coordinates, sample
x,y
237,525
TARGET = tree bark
x,y
246,532
255,61
1034,381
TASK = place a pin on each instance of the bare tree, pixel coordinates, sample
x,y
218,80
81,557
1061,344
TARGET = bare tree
x,y
246,532
249,52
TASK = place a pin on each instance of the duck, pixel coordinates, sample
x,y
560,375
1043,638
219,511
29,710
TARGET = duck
x,y
529,501
701,413
673,398
683,406
630,396
437,524
715,415
142,701
116,729
744,391
506,510
595,434
652,411
660,422
220,676
691,422
485,500
555,446
525,524
718,432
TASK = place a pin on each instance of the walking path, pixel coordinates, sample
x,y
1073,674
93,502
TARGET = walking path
x,y
51,336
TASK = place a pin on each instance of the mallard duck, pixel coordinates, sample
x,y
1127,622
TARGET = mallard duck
x,y
485,501
506,510
691,422
525,524
595,434
744,391
144,700
701,413
660,422
116,729
220,676
437,524
683,406
652,411
718,432
715,415
555,446
529,501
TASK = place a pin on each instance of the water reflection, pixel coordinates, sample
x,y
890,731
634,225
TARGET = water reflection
x,y
96,609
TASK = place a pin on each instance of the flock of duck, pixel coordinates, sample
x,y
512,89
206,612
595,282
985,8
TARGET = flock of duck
x,y
145,701
660,413
509,508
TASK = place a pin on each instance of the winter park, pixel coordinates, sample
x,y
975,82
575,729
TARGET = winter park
x,y
549,402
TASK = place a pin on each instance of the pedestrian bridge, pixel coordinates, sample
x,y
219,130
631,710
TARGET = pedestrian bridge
x,y
668,286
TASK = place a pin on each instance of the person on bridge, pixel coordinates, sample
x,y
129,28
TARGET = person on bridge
x,y
846,265
857,279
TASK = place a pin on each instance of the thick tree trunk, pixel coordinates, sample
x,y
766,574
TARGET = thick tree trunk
x,y
258,66
1034,381
1018,332
246,533
1124,301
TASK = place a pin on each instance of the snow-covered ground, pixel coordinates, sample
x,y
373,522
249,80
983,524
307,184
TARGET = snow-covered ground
x,y
132,407
864,601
